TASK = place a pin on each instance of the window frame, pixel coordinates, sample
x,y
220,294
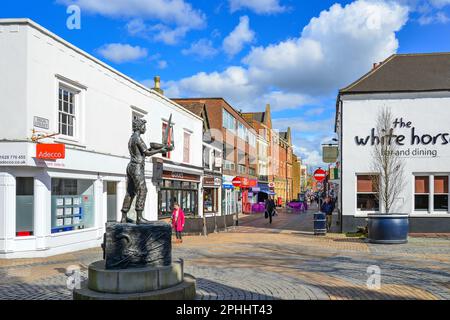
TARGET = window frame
x,y
79,138
359,211
189,135
430,211
75,115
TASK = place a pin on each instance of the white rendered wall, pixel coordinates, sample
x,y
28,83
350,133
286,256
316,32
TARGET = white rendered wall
x,y
428,113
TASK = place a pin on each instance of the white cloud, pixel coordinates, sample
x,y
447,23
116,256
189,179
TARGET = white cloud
x,y
202,49
309,157
305,126
257,6
315,112
428,11
176,17
240,36
162,64
333,50
440,3
120,53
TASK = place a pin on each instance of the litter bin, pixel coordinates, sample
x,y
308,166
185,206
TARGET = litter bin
x,y
320,223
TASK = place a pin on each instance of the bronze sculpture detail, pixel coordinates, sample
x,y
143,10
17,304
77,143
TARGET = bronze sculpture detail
x,y
136,186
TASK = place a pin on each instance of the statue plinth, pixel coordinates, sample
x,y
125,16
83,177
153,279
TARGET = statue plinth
x,y
136,246
137,266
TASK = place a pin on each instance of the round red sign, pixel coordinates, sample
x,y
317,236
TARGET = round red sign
x,y
320,174
236,182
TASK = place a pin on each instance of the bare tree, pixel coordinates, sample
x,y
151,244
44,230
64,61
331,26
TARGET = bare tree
x,y
387,165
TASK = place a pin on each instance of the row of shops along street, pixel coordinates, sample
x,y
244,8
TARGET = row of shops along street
x,y
66,120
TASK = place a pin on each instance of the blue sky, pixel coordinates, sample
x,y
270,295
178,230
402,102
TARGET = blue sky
x,y
294,55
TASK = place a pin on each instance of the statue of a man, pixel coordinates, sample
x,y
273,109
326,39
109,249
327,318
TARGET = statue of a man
x,y
136,186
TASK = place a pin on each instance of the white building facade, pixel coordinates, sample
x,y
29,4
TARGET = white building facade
x,y
50,207
421,113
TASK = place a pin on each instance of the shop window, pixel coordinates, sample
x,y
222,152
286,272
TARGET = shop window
x,y
441,193
228,121
24,207
173,191
366,199
111,205
206,157
67,111
421,193
72,204
186,147
209,200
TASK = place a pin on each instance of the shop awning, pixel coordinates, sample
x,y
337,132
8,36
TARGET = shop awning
x,y
270,193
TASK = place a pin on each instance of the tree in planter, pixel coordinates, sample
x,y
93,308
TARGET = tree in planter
x,y
387,165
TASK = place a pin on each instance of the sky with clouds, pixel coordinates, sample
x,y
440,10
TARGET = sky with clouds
x,y
294,55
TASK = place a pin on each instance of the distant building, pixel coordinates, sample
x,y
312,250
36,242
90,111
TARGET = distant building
x,y
239,144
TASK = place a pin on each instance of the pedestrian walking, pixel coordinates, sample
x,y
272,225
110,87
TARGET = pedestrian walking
x,y
178,220
327,208
269,209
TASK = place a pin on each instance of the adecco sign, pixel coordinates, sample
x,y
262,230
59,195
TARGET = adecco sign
x,y
50,151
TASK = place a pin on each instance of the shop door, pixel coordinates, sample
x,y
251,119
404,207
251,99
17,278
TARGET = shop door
x,y
111,202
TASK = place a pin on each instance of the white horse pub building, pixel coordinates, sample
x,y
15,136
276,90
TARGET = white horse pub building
x,y
416,90
57,193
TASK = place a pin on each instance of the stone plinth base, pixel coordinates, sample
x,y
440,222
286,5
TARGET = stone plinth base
x,y
183,291
148,283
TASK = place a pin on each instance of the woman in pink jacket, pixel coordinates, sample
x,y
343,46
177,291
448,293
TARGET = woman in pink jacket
x,y
178,221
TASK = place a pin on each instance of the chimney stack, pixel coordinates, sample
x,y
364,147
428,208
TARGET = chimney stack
x,y
376,65
157,86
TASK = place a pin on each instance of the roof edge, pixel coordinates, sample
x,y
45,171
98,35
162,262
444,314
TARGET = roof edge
x,y
28,21
368,74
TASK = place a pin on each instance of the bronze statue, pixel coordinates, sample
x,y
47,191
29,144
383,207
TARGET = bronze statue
x,y
136,186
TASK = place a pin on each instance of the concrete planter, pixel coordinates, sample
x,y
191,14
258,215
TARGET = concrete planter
x,y
388,228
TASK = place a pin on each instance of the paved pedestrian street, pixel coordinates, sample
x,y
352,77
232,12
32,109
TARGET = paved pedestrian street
x,y
260,261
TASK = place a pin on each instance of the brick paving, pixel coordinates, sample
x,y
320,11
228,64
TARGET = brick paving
x,y
259,261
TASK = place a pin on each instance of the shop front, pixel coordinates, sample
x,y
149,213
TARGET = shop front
x,y
231,203
249,197
178,187
52,206
212,194
419,113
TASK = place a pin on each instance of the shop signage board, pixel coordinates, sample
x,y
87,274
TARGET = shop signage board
x,y
330,153
50,151
42,123
320,175
218,162
212,181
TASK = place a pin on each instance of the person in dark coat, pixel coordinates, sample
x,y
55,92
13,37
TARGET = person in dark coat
x,y
328,208
270,208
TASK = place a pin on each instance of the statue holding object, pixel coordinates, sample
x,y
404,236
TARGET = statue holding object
x,y
136,186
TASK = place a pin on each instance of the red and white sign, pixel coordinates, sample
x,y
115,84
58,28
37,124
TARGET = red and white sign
x,y
236,182
50,151
320,175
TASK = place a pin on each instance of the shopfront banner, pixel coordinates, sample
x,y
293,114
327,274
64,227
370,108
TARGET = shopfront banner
x,y
50,151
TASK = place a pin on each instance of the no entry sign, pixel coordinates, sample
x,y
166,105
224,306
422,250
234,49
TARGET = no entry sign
x,y
236,182
320,175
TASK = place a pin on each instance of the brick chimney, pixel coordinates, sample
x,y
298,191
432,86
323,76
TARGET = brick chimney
x,y
157,86
376,65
